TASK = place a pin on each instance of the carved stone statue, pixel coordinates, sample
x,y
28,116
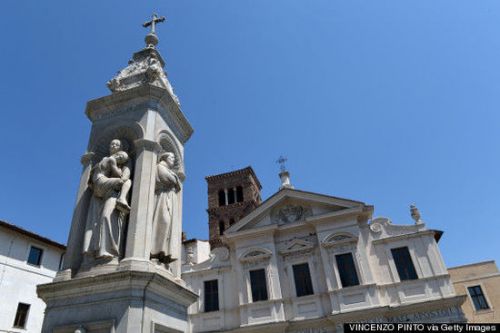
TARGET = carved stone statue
x,y
145,68
110,183
415,214
166,212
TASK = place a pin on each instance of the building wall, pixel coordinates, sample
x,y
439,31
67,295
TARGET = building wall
x,y
18,279
486,275
198,250
380,296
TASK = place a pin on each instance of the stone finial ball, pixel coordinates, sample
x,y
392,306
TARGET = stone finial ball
x,y
151,39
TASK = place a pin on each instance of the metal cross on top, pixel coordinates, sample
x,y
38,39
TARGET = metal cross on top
x,y
155,19
281,160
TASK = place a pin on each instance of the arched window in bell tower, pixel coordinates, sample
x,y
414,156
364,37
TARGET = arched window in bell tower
x,y
230,196
222,227
222,198
239,194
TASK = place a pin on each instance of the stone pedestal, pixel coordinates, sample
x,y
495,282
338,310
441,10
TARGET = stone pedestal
x,y
128,301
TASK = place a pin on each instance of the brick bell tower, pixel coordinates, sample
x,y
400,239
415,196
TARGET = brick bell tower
x,y
231,196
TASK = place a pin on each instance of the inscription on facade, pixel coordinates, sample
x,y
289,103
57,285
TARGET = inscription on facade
x,y
310,330
425,316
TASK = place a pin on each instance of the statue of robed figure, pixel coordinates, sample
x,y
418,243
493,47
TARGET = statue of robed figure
x,y
106,218
166,209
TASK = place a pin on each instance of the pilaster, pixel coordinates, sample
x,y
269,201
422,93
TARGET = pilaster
x,y
142,206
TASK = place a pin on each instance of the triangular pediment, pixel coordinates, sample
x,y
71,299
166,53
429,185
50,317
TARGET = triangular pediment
x,y
297,245
290,206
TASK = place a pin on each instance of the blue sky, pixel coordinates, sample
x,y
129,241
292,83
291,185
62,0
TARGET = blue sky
x,y
386,102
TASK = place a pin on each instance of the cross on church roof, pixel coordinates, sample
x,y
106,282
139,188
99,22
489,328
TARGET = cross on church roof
x,y
281,160
155,19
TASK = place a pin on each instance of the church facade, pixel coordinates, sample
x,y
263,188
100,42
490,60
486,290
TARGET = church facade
x,y
309,262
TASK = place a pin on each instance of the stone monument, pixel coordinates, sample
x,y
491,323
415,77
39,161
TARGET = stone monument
x,y
122,268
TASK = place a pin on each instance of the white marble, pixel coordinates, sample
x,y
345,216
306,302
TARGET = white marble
x,y
123,267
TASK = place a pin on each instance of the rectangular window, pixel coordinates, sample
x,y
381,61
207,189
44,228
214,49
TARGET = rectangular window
x,y
258,285
211,295
35,256
21,315
476,293
302,278
404,264
347,270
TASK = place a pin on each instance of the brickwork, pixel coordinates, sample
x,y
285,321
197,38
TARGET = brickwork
x,y
225,215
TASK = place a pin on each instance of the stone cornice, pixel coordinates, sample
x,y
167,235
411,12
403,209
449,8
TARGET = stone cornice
x,y
114,282
479,277
276,327
144,144
100,326
404,236
109,105
408,282
269,302
255,255
206,270
337,214
247,170
266,230
352,288
481,263
256,259
332,243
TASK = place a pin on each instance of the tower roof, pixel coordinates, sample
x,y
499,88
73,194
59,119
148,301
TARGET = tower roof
x,y
247,170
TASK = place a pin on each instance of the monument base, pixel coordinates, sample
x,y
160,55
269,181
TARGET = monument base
x,y
119,302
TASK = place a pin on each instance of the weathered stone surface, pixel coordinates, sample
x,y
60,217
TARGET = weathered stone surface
x,y
122,271
228,214
119,302
295,228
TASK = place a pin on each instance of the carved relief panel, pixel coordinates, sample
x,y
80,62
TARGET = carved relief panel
x,y
290,212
